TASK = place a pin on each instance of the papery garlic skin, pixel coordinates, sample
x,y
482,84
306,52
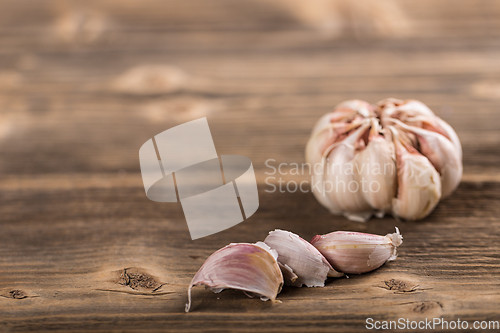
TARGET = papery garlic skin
x,y
356,138
252,268
355,252
451,134
441,152
288,274
396,108
342,155
308,264
378,152
419,188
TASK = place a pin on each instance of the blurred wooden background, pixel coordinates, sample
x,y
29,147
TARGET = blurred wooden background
x,y
84,84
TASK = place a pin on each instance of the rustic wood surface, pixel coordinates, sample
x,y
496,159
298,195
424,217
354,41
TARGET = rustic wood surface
x,y
84,84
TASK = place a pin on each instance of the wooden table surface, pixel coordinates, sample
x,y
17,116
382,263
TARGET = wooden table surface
x,y
84,85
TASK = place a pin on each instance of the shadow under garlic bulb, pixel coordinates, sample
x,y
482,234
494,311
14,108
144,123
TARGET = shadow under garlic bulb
x,y
394,157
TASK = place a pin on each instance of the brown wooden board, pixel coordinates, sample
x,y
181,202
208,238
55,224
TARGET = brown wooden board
x,y
81,246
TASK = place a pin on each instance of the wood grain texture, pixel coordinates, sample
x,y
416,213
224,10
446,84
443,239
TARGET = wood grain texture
x,y
84,84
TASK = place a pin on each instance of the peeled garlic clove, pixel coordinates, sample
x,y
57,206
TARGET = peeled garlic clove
x,y
308,264
377,170
419,184
442,153
355,252
251,268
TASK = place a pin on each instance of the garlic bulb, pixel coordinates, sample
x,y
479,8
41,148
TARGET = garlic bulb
x,y
307,263
251,268
395,157
356,252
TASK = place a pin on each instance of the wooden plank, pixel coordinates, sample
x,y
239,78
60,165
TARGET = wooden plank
x,y
82,248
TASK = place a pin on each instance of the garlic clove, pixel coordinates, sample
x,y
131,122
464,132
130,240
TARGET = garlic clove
x,y
317,151
414,107
451,134
327,136
345,117
414,111
341,183
400,109
318,190
360,107
442,153
427,123
377,170
251,268
322,135
307,263
288,275
355,252
419,184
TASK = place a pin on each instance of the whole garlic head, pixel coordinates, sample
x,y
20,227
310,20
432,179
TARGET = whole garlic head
x,y
394,157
